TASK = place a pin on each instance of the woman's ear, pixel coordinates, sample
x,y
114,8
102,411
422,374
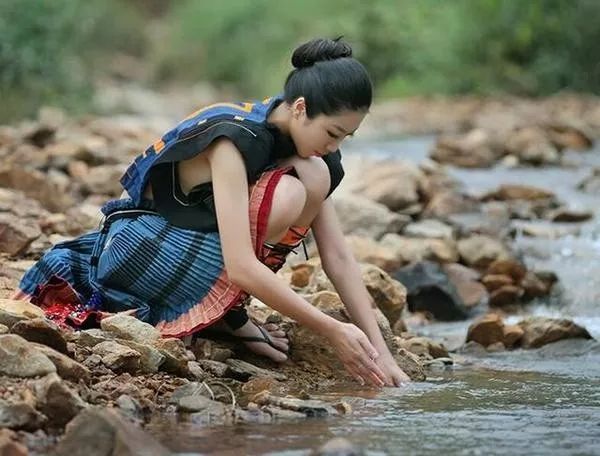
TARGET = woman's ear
x,y
299,107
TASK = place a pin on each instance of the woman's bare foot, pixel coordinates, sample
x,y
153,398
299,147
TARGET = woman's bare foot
x,y
276,336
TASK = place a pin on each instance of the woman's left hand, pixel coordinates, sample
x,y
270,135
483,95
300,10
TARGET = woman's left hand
x,y
394,375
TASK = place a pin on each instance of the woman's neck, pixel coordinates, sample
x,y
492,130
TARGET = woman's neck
x,y
280,117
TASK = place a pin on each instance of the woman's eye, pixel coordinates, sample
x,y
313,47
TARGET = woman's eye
x,y
332,135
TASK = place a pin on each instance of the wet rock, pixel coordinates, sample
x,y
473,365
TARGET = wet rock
x,y
338,447
9,444
512,335
569,215
20,415
13,311
57,401
367,250
150,358
509,267
17,234
505,295
466,282
279,414
97,432
394,184
388,294
540,331
495,347
486,330
14,349
176,356
66,368
532,145
42,331
410,364
429,289
131,328
412,250
480,251
510,192
472,150
310,407
429,228
194,404
361,216
244,370
534,287
495,281
117,357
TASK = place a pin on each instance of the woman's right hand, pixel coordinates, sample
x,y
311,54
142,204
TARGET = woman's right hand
x,y
356,353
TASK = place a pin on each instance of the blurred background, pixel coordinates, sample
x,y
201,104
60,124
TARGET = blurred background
x,y
70,53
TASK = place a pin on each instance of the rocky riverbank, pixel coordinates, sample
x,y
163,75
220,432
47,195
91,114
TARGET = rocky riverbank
x,y
429,251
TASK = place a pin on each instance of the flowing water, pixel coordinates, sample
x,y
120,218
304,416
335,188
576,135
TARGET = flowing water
x,y
544,401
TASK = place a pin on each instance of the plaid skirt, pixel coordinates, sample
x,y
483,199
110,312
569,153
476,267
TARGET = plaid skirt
x,y
173,277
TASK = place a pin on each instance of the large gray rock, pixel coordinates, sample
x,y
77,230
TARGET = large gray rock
x,y
66,368
429,228
97,432
13,311
17,234
19,358
42,331
118,357
412,250
151,358
480,251
429,289
57,401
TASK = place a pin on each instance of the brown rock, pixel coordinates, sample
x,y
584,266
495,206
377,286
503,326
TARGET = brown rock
x,y
472,150
176,356
540,331
569,137
412,250
388,294
534,287
118,357
367,250
57,401
480,251
532,145
512,335
509,267
17,234
42,331
302,274
518,192
20,415
9,445
67,368
13,311
494,281
505,295
443,204
486,330
14,350
569,215
421,346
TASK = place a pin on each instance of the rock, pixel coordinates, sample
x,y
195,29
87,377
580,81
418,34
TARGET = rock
x,y
423,346
495,347
194,404
244,370
412,250
9,445
14,349
92,337
544,230
486,330
280,414
429,289
512,335
518,192
131,328
42,331
505,295
210,349
388,294
20,415
429,228
591,183
104,180
361,216
176,356
569,215
12,311
494,281
338,446
509,267
367,250
310,407
3,329
540,331
532,145
151,358
466,282
301,274
410,364
66,368
216,368
480,251
569,137
196,371
394,184
55,400
534,287
97,432
17,234
130,407
443,204
474,149
117,357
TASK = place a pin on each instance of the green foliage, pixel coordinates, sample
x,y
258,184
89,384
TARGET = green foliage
x,y
49,49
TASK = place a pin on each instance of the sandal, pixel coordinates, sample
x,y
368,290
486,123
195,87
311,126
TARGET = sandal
x,y
215,334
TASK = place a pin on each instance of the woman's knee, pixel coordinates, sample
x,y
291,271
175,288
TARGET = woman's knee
x,y
289,200
314,175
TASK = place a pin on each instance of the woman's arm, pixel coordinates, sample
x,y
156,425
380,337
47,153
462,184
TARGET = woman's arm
x,y
341,267
230,188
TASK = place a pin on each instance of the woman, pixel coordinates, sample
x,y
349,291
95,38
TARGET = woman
x,y
213,208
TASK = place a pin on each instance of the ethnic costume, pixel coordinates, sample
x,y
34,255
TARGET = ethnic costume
x,y
163,257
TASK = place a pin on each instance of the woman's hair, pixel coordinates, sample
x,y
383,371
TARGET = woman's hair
x,y
329,78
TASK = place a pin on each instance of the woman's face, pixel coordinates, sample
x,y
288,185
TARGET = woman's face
x,y
322,134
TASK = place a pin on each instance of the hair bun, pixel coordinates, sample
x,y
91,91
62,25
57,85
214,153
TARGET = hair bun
x,y
318,50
